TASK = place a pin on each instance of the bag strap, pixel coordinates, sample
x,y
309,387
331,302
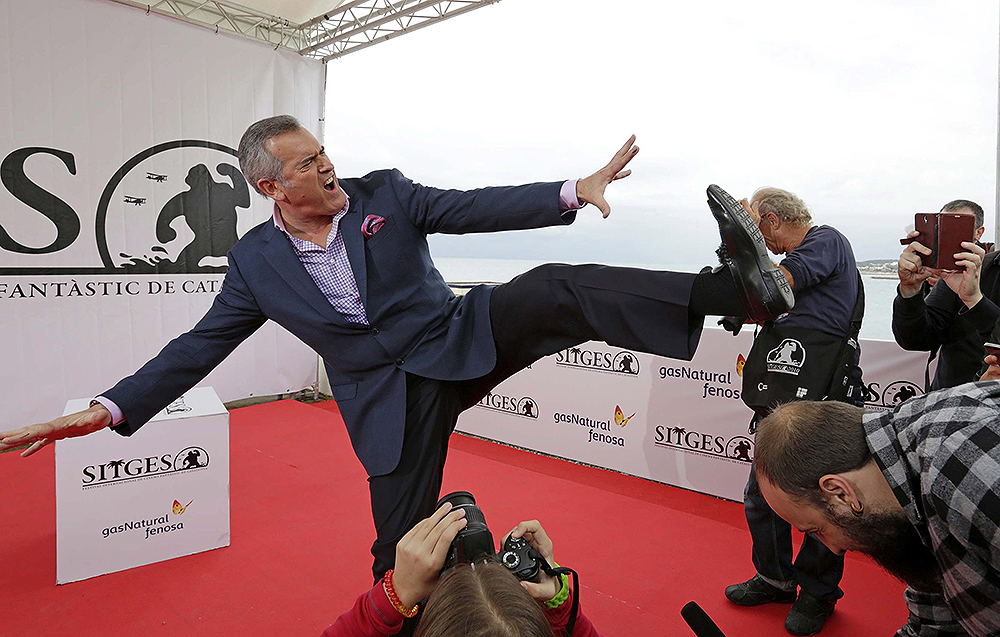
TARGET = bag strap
x,y
556,572
857,317
859,307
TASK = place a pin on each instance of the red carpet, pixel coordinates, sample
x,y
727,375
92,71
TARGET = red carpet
x,y
301,529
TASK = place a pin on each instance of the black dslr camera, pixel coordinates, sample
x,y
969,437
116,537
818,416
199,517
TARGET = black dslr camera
x,y
475,542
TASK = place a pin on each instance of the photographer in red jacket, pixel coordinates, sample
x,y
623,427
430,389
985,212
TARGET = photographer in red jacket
x,y
469,599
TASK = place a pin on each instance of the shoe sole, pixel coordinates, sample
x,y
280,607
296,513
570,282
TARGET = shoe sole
x,y
779,294
745,603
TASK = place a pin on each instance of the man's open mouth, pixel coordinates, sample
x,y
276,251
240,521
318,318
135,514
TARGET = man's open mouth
x,y
331,183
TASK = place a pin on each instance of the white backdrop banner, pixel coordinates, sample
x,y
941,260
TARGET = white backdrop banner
x,y
678,422
121,195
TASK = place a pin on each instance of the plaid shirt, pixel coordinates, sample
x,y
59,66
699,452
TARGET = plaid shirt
x,y
940,454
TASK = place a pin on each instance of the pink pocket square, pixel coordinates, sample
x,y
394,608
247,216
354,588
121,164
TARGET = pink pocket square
x,y
371,225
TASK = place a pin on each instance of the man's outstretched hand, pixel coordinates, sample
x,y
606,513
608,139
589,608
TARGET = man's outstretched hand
x,y
591,189
37,436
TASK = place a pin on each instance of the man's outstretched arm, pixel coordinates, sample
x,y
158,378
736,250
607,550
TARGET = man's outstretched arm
x,y
233,317
509,207
37,436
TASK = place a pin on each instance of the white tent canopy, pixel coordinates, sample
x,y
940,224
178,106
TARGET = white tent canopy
x,y
321,29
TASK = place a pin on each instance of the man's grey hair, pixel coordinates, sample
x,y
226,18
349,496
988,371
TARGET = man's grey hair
x,y
787,205
256,161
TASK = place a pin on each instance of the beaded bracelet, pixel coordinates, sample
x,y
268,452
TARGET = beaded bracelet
x,y
390,592
563,594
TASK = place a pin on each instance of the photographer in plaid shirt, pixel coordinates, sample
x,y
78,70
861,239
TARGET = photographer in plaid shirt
x,y
916,488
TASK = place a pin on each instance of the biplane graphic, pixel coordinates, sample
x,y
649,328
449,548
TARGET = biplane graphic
x,y
138,201
157,178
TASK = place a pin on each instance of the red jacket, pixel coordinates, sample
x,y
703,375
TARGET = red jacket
x,y
373,615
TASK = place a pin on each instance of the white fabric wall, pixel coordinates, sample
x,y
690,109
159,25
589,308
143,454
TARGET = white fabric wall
x,y
689,428
103,83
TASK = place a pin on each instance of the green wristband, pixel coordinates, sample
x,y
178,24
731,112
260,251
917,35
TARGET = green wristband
x,y
563,593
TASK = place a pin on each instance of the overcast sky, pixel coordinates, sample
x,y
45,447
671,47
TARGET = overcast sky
x,y
870,111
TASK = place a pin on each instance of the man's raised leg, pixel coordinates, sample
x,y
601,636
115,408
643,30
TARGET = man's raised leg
x,y
555,306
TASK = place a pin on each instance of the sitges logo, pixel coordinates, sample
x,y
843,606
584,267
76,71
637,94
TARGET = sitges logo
x,y
525,406
121,470
176,207
622,362
736,448
894,394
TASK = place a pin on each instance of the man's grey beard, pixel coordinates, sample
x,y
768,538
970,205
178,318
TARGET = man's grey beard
x,y
893,542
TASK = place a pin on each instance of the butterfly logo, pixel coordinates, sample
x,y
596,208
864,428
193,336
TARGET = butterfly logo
x,y
620,418
178,509
740,362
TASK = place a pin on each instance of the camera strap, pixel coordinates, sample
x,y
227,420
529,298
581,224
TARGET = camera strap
x,y
557,572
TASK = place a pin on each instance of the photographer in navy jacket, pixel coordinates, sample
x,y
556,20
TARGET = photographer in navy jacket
x,y
483,598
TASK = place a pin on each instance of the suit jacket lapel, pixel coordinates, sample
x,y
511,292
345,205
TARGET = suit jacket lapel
x,y
354,241
279,253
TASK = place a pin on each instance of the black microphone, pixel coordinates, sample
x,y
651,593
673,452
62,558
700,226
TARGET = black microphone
x,y
699,621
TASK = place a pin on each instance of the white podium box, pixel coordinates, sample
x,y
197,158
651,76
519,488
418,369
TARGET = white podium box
x,y
159,494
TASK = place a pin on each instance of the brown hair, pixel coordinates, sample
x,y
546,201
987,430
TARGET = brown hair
x,y
485,601
802,441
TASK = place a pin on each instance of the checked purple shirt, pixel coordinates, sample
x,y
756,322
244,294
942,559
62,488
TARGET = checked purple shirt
x,y
330,268
332,272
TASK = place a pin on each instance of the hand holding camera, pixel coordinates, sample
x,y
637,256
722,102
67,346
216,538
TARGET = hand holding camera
x,y
422,552
457,534
965,282
910,268
993,360
531,534
942,246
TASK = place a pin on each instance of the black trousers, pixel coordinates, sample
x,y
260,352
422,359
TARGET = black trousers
x,y
543,311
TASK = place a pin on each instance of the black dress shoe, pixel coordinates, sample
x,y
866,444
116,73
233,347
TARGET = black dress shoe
x,y
762,287
755,591
808,614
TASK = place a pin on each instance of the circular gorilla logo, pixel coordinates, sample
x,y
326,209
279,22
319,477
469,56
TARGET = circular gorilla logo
x,y
190,458
740,448
626,363
527,407
899,392
177,207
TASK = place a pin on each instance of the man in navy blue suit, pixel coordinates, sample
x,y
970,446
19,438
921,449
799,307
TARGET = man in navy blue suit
x,y
344,265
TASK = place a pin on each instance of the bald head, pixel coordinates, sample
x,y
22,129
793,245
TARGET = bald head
x,y
802,441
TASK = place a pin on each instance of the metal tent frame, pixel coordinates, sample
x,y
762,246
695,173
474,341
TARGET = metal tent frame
x,y
350,26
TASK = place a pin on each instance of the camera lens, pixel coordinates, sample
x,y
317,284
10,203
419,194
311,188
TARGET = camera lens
x,y
475,520
457,499
474,541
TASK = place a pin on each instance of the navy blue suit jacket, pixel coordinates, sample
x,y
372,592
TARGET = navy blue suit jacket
x,y
417,324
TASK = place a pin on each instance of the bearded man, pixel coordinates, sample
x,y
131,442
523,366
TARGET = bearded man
x,y
916,488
